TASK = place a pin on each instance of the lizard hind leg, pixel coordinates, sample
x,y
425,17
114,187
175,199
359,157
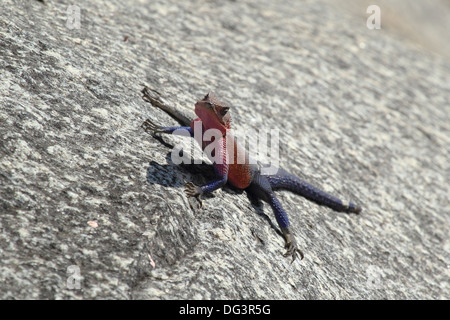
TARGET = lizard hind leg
x,y
261,188
288,181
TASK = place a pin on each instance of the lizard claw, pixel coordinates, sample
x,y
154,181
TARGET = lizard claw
x,y
292,250
291,245
150,95
194,191
150,127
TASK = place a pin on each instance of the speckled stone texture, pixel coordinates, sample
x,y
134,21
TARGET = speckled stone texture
x,y
364,114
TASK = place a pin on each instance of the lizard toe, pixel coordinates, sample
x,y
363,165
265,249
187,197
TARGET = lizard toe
x,y
293,251
194,191
150,127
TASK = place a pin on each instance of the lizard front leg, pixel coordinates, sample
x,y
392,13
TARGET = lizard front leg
x,y
220,163
196,191
150,127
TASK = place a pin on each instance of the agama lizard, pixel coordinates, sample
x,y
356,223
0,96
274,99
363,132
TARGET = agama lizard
x,y
213,113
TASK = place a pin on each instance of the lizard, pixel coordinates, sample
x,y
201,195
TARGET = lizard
x,y
213,113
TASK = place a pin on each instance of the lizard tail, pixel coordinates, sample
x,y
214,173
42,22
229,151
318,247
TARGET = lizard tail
x,y
288,181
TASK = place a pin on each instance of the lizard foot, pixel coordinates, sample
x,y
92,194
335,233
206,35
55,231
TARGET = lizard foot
x,y
151,127
292,250
194,191
150,95
153,97
291,245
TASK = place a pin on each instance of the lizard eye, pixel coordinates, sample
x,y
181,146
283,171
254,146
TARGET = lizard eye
x,y
224,111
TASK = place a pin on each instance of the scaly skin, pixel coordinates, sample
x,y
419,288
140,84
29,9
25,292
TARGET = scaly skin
x,y
214,114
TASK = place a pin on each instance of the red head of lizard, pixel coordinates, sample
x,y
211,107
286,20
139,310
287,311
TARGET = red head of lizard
x,y
214,113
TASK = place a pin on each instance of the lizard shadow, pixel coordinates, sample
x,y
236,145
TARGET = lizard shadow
x,y
168,175
175,175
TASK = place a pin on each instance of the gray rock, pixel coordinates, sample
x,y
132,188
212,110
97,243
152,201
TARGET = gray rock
x,y
92,207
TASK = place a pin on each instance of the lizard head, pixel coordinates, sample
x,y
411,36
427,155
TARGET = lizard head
x,y
214,113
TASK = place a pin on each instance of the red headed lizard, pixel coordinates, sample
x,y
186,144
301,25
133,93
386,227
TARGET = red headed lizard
x,y
215,114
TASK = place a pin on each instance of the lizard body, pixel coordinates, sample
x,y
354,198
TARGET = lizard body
x,y
215,114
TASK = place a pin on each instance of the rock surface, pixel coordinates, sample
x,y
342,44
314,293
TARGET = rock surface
x,y
92,207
